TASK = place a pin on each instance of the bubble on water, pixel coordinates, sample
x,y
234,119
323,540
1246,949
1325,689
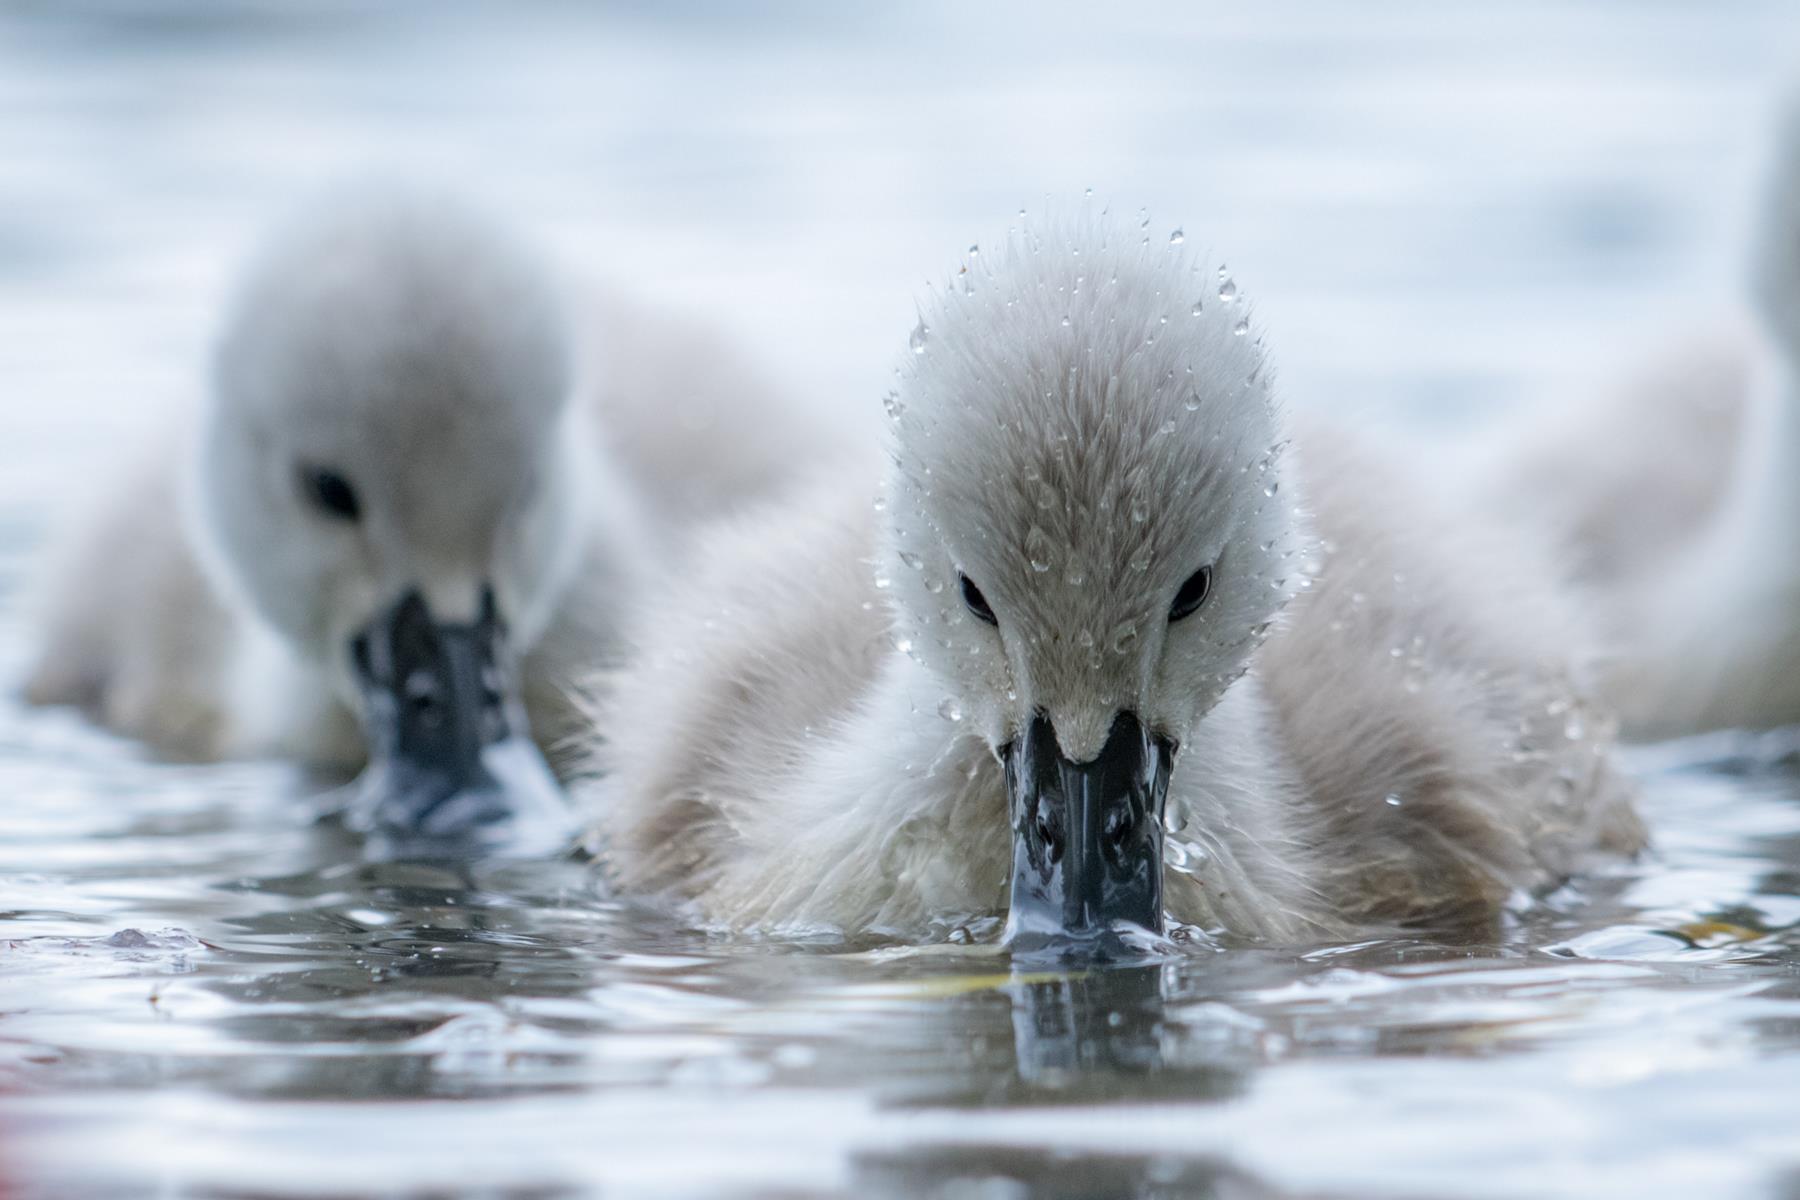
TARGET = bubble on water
x,y
919,334
169,937
1038,549
1227,291
1177,237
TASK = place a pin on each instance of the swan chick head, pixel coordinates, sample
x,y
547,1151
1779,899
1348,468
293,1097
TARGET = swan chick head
x,y
1089,533
386,473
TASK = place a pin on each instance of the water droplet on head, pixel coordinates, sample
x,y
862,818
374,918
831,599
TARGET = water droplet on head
x,y
1393,800
1177,237
1065,322
1241,328
1228,291
974,251
912,560
1196,309
1038,550
917,340
949,709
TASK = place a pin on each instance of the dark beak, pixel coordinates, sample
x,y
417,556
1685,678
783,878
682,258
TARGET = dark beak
x,y
1087,837
452,769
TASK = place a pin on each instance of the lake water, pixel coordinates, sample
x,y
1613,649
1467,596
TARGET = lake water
x,y
1447,213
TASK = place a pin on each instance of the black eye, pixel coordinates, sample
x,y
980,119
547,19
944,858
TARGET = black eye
x,y
330,493
1192,594
976,601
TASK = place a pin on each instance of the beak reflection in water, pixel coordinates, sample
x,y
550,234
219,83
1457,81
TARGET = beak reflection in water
x,y
452,769
1087,840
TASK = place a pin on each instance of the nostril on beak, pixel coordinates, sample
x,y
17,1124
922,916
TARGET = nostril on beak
x,y
1118,830
1049,829
420,693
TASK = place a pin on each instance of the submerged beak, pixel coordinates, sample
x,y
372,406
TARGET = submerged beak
x,y
452,768
1087,837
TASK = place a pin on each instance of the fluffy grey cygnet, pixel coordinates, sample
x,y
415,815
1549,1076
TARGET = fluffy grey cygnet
x,y
400,521
1115,640
1675,505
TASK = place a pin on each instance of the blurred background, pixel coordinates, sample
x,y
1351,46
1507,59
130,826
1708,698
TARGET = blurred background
x,y
1438,209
